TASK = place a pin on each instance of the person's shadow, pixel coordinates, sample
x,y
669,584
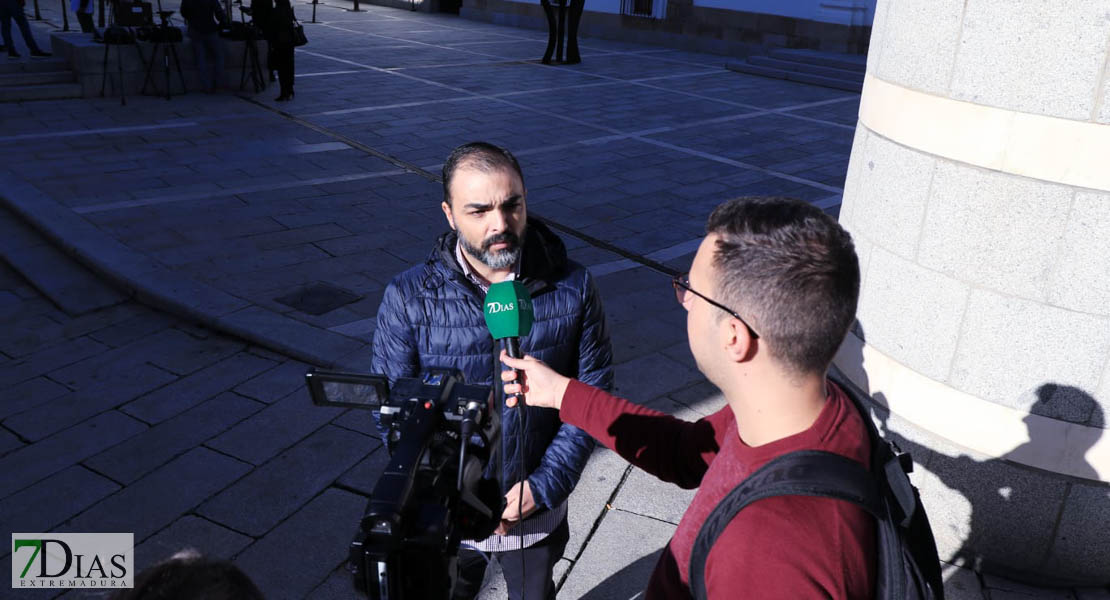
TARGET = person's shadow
x,y
1016,521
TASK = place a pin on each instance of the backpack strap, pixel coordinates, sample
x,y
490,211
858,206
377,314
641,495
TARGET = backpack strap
x,y
801,473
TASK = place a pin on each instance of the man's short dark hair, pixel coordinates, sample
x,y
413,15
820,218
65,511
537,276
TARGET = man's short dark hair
x,y
792,270
190,576
482,156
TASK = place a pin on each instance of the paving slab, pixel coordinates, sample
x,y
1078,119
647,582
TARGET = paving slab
x,y
264,498
321,532
190,532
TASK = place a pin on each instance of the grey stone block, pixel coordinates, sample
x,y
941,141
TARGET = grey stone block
x,y
276,383
51,501
321,530
912,314
50,359
189,391
338,586
893,188
650,376
190,531
9,442
644,495
700,400
75,407
196,354
919,43
961,584
162,496
261,500
855,166
290,336
106,365
363,476
275,428
42,459
121,334
1011,59
1081,280
998,587
293,237
150,449
617,563
29,394
1081,550
633,339
600,478
1004,236
975,503
1001,355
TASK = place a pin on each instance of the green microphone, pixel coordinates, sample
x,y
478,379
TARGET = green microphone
x,y
508,310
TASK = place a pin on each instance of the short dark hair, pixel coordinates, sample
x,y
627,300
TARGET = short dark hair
x,y
482,156
792,270
190,576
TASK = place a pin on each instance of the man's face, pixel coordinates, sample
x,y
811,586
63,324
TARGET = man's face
x,y
703,324
488,210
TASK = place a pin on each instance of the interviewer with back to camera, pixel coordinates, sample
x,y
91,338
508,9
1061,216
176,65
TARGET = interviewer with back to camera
x,y
431,316
770,296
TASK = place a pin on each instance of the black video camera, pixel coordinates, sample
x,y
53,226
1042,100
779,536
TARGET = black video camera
x,y
441,433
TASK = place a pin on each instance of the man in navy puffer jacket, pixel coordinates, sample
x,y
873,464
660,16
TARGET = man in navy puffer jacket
x,y
431,316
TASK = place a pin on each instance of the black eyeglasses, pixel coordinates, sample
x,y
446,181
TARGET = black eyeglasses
x,y
681,285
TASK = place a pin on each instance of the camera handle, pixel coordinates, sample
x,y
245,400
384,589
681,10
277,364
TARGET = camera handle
x,y
466,428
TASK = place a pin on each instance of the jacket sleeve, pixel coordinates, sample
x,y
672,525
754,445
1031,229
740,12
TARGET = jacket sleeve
x,y
393,351
566,456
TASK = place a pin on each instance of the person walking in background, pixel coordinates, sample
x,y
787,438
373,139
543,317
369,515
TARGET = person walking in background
x,y
13,9
84,11
281,39
261,11
205,17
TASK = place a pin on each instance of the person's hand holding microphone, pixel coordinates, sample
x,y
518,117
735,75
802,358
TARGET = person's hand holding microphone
x,y
539,383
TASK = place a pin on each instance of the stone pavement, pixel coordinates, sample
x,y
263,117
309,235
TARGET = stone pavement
x,y
160,390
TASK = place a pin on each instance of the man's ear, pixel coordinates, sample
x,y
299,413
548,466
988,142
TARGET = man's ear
x,y
738,342
447,213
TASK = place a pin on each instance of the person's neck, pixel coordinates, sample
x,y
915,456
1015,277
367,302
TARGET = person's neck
x,y
485,272
770,407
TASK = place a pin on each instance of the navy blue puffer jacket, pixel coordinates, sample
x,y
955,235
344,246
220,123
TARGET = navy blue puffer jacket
x,y
431,316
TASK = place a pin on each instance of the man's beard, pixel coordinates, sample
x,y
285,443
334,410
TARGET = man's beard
x,y
501,259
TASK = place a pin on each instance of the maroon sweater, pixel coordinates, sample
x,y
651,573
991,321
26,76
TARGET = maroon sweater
x,y
789,547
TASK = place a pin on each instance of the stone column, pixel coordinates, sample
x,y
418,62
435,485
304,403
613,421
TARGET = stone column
x,y
979,197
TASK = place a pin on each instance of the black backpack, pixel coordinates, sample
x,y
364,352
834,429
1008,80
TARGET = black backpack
x,y
908,567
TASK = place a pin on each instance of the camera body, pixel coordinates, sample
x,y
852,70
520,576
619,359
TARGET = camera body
x,y
431,495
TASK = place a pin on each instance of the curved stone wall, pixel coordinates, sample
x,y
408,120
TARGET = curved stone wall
x,y
978,194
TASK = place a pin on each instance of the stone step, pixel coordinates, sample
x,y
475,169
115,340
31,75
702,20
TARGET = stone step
x,y
847,62
830,82
804,67
32,65
70,286
36,78
45,91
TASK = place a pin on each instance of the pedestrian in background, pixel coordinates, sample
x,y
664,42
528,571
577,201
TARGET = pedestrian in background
x,y
84,11
13,9
281,39
205,18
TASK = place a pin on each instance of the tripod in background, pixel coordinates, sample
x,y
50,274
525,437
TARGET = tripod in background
x,y
165,37
250,34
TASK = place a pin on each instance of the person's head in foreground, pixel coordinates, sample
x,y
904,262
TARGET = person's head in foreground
x,y
189,576
771,292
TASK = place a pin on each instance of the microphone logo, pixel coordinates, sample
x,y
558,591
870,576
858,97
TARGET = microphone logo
x,y
496,307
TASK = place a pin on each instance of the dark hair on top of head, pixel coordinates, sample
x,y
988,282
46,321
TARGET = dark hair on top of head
x,y
482,156
792,271
189,576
